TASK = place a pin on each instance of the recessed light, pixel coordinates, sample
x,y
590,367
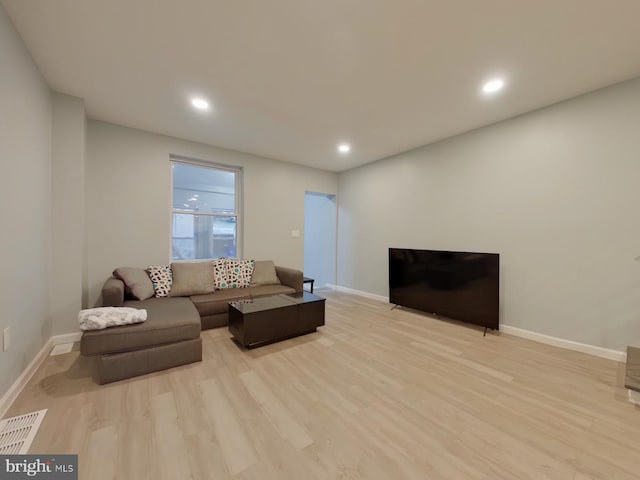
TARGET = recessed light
x,y
200,103
493,86
344,148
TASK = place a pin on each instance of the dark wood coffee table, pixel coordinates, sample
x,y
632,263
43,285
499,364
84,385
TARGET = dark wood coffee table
x,y
264,320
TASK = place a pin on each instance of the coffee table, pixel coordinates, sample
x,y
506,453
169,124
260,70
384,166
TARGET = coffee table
x,y
265,320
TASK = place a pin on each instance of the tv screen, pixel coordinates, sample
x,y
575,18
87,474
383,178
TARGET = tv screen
x,y
462,286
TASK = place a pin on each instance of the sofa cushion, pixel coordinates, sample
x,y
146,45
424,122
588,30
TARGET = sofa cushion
x,y
162,279
191,278
137,283
264,273
266,290
220,273
239,272
169,320
217,302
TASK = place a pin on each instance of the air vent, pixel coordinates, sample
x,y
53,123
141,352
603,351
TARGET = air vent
x,y
17,433
61,348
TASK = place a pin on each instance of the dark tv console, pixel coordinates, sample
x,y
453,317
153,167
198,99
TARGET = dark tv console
x,y
462,286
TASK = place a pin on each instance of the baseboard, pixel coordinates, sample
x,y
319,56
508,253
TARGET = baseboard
x,y
519,332
360,293
567,344
14,390
326,286
634,397
67,338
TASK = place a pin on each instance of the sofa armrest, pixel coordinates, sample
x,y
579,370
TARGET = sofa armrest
x,y
113,293
290,277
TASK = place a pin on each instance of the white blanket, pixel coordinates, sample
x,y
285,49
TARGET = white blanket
x,y
103,317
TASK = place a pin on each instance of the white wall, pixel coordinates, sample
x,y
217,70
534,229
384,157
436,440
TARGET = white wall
x,y
129,190
68,216
555,192
320,224
25,209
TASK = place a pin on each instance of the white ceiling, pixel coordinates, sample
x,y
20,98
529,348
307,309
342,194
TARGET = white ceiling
x,y
289,79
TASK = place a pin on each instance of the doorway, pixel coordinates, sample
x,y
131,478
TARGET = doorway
x,y
320,238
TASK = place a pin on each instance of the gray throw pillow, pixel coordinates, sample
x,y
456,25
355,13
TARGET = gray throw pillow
x,y
136,281
191,278
264,273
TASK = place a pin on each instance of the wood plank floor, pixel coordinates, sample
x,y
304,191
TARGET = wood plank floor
x,y
375,394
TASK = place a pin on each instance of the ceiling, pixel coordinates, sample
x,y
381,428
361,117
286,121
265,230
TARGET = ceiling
x,y
290,79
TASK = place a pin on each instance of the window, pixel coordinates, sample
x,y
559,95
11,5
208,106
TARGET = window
x,y
205,210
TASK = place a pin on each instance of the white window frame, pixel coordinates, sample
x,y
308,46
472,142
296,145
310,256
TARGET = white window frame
x,y
238,196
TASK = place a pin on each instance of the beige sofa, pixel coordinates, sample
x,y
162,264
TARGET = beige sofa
x,y
171,334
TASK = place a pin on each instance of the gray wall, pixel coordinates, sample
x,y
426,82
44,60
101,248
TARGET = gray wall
x,y
68,215
129,200
25,210
555,192
320,224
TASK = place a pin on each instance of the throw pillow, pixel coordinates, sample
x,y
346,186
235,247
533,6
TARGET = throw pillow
x,y
264,273
220,273
239,272
191,278
136,281
162,279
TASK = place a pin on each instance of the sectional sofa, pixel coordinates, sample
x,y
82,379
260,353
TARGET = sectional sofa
x,y
171,334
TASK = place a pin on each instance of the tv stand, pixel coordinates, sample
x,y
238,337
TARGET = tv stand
x,y
435,315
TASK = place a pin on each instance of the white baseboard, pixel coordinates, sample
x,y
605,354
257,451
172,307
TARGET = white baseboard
x,y
14,390
519,332
567,344
634,397
67,338
360,293
326,286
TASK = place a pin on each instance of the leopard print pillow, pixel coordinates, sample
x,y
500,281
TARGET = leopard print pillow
x,y
239,272
162,279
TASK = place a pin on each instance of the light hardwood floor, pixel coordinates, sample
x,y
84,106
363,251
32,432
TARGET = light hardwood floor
x,y
374,394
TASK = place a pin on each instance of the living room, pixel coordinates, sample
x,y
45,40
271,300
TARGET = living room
x,y
552,189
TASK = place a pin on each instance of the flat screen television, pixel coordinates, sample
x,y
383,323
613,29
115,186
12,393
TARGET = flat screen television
x,y
461,286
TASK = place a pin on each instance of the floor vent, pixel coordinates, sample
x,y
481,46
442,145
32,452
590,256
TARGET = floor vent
x,y
61,348
17,433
